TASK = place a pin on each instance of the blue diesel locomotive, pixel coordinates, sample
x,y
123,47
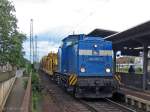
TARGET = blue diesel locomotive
x,y
85,66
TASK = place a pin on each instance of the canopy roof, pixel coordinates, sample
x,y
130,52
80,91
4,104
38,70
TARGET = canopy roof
x,y
101,33
133,37
131,41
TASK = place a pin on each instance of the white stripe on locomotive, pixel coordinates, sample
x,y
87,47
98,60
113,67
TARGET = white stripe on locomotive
x,y
101,52
85,52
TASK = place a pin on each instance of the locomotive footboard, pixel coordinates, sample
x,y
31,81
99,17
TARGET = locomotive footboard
x,y
95,87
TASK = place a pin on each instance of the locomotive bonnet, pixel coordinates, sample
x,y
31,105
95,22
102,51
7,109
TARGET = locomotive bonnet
x,y
85,66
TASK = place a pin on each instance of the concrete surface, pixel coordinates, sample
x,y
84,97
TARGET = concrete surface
x,y
16,96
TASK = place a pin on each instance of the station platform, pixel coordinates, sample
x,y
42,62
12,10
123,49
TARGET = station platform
x,y
137,98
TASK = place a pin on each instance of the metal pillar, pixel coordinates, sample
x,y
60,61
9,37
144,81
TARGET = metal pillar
x,y
35,49
30,44
114,62
145,63
148,73
31,41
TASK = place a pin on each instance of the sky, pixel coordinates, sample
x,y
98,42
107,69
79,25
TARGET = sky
x,y
53,20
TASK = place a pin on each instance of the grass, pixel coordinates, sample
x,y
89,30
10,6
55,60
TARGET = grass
x,y
25,83
36,100
36,93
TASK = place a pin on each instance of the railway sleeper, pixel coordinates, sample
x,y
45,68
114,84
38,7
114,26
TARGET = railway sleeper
x,y
138,102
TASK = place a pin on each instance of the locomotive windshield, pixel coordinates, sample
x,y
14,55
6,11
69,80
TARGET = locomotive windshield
x,y
70,40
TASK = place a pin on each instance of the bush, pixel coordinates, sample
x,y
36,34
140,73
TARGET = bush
x,y
25,82
35,83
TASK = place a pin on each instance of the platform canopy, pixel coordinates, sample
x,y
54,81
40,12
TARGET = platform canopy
x,y
131,41
101,33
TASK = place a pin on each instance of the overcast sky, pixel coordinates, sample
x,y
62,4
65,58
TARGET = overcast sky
x,y
54,19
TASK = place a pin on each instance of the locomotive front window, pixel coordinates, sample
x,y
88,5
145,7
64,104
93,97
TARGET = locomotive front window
x,y
71,42
68,43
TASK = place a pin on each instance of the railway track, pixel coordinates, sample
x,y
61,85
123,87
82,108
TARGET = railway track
x,y
106,105
59,100
66,103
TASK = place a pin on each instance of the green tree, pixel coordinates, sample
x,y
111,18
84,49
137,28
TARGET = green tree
x,y
10,39
16,50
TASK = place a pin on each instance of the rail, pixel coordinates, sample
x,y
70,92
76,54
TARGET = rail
x,y
92,109
120,105
106,107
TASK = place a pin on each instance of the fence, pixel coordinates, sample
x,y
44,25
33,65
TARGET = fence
x,y
131,80
5,88
4,76
125,67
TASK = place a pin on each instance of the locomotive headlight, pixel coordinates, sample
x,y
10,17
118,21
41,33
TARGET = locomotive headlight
x,y
108,70
95,46
82,69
